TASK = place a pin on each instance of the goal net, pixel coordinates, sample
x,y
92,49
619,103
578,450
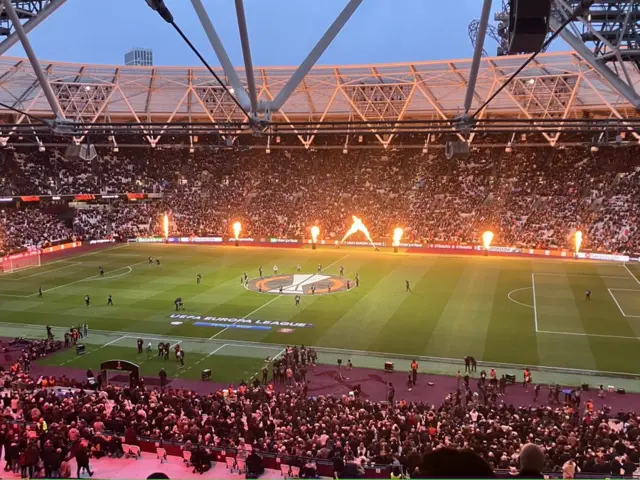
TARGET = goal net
x,y
20,261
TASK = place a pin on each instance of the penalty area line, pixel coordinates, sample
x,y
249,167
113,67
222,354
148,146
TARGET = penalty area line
x,y
516,301
94,350
631,273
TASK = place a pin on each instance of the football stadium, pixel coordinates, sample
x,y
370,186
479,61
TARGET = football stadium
x,y
389,270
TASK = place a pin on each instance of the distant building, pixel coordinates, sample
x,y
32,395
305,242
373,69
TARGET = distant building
x,y
139,56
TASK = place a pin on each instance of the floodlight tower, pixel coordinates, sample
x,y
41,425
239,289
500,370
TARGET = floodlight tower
x,y
492,32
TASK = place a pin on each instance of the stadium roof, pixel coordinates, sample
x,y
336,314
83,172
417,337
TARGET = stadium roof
x,y
555,85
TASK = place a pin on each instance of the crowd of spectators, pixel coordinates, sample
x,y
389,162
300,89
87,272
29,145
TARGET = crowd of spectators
x,y
42,427
529,198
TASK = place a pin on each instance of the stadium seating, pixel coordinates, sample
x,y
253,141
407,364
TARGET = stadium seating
x,y
292,432
532,198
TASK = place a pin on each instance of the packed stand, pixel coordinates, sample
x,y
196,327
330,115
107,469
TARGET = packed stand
x,y
529,198
30,228
42,428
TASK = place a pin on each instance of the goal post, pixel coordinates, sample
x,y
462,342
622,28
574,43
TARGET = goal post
x,y
20,261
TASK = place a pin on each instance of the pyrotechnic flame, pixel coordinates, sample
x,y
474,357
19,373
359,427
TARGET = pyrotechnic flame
x,y
165,225
487,238
578,240
357,226
397,236
236,230
315,231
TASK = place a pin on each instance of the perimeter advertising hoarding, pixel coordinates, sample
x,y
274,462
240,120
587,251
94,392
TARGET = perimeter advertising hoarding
x,y
284,240
104,240
149,240
411,247
604,256
55,248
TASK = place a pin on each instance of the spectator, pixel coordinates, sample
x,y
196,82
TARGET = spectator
x,y
531,461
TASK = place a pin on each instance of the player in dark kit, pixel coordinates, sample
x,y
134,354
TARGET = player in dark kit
x,y
87,300
150,260
198,279
280,289
140,344
407,286
587,295
157,261
260,272
40,292
178,303
313,289
109,300
297,300
348,285
341,271
101,270
357,280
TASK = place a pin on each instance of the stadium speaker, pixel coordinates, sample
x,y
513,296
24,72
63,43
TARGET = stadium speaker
x,y
456,149
206,374
528,25
80,350
80,152
585,387
621,391
388,367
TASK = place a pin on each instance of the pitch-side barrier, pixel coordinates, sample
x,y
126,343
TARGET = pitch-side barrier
x,y
458,249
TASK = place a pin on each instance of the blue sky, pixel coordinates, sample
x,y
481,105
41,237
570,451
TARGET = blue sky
x,y
282,31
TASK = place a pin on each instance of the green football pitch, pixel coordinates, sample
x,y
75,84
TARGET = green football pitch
x,y
508,310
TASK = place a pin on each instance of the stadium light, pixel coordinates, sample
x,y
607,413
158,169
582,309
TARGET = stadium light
x,y
41,148
191,150
116,149
161,8
508,148
594,148
268,150
345,151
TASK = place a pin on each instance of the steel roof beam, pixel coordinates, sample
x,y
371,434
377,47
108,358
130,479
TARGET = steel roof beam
x,y
33,59
222,55
314,55
477,55
246,54
10,73
625,89
152,81
30,24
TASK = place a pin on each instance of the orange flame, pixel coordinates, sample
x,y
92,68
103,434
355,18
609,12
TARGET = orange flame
x,y
165,225
397,236
578,240
487,238
315,231
237,228
357,226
